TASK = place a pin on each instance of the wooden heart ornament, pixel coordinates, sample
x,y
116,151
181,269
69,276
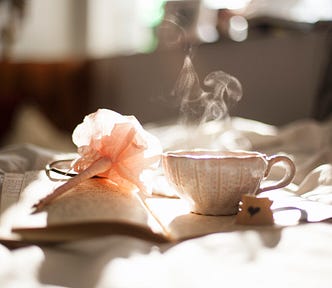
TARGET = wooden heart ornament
x,y
255,211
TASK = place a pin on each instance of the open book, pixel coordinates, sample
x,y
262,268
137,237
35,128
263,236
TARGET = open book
x,y
97,208
94,208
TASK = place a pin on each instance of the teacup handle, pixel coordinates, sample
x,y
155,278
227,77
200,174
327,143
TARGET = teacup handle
x,y
289,172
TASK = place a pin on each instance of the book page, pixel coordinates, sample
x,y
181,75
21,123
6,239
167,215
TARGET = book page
x,y
175,216
11,189
95,207
14,203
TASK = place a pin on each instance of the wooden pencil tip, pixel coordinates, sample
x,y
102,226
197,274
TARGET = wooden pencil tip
x,y
36,208
34,211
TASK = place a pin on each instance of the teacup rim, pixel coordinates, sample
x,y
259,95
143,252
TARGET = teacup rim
x,y
203,154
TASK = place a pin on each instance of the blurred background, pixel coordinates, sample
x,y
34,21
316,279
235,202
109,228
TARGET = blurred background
x,y
60,60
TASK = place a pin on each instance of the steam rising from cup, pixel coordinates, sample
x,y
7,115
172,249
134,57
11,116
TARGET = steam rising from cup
x,y
200,106
204,112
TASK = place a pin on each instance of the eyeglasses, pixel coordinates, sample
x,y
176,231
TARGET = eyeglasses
x,y
60,170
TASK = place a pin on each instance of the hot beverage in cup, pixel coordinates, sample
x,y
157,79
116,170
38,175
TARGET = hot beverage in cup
x,y
213,182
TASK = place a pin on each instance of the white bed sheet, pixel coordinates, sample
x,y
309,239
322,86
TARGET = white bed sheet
x,y
295,256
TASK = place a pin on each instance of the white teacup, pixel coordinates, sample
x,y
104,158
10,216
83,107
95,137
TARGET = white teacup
x,y
214,181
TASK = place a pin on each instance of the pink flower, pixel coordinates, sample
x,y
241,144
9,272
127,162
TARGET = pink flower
x,y
114,146
122,140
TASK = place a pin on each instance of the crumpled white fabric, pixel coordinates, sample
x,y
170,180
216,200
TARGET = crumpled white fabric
x,y
298,256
